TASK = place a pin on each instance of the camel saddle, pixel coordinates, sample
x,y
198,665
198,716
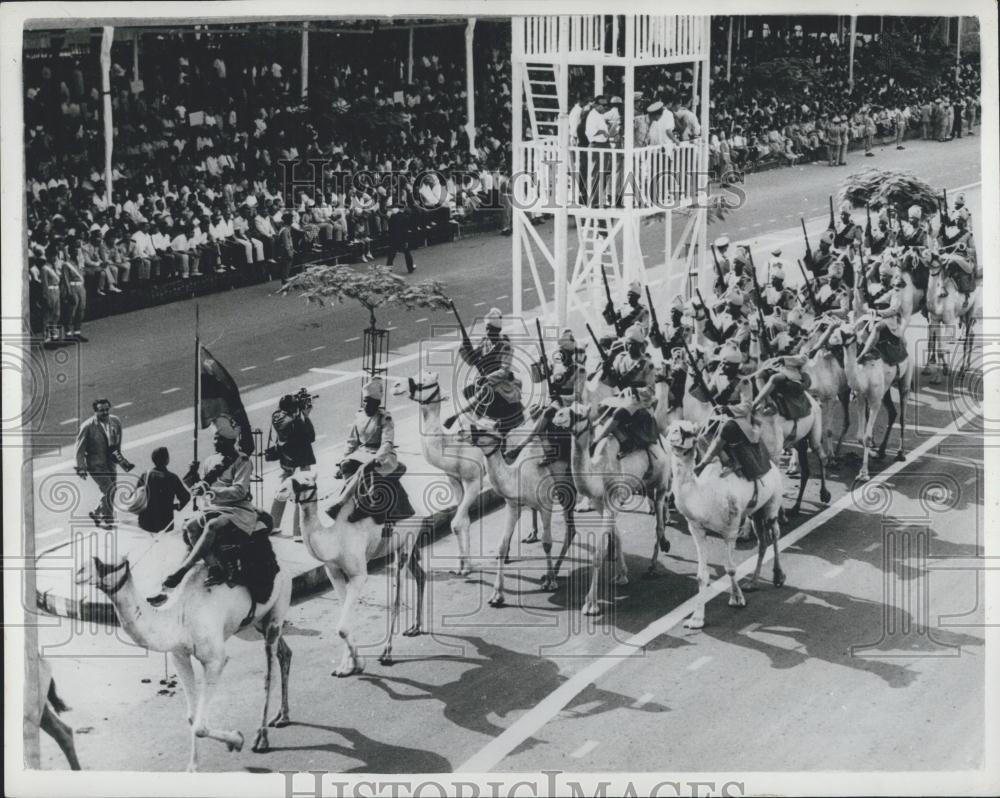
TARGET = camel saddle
x,y
790,400
634,431
380,497
891,348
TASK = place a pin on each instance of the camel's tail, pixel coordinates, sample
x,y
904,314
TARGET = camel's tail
x,y
57,703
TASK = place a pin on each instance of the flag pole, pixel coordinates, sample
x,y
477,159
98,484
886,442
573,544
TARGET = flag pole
x,y
197,381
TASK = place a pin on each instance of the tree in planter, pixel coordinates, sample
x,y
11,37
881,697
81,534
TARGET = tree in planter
x,y
374,288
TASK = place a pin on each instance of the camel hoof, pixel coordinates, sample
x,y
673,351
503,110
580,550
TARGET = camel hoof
x,y
238,745
549,583
778,578
737,601
824,495
863,477
926,370
664,546
750,588
260,743
279,721
694,623
900,457
386,659
620,580
532,538
497,600
347,670
506,559
880,454
413,631
591,609
794,511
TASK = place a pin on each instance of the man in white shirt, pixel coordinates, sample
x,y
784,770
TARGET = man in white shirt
x,y
597,164
145,262
265,231
184,253
575,115
253,247
220,233
169,263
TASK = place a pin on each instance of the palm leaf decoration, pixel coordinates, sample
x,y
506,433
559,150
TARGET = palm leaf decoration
x,y
896,189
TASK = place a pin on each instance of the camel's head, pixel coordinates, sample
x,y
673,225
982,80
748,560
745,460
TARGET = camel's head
x,y
484,434
299,487
571,418
104,576
682,436
425,389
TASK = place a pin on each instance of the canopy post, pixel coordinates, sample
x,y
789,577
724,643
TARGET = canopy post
x,y
106,40
470,91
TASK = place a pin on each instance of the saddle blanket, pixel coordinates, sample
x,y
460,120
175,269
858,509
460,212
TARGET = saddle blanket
x,y
890,348
791,401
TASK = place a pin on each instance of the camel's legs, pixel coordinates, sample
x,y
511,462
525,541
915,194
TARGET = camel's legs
x,y
533,535
62,733
547,539
845,404
461,522
761,548
590,605
697,619
736,598
420,577
261,744
777,575
803,458
213,671
399,563
891,409
816,443
285,664
868,429
550,582
353,586
513,514
185,672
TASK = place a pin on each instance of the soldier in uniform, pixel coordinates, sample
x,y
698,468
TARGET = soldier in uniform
x,y
633,312
721,247
494,351
730,362
633,376
961,269
832,294
789,380
567,370
913,232
740,438
228,516
776,296
886,304
832,139
848,234
739,277
74,298
820,260
373,430
844,136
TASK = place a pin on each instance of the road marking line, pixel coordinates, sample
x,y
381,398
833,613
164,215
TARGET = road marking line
x,y
319,370
321,436
352,340
699,663
283,357
68,421
502,296
585,749
835,571
317,348
248,368
749,629
871,547
170,390
478,304
421,320
528,724
771,221
800,596
642,700
248,387
123,404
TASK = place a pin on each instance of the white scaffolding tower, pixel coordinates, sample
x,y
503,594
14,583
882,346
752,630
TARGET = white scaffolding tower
x,y
608,192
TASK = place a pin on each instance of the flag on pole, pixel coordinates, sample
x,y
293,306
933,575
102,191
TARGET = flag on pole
x,y
220,396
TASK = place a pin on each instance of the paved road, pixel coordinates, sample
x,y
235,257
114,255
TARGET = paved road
x,y
142,360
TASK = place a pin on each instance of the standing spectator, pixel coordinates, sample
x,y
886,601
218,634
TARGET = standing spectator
x,y
832,136
165,493
899,117
926,109
399,236
295,436
285,248
844,132
869,131
51,280
98,454
959,116
73,295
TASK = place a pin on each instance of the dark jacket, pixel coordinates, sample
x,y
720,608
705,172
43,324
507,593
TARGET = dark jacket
x,y
295,436
162,488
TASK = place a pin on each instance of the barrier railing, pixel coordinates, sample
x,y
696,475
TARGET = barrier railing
x,y
606,35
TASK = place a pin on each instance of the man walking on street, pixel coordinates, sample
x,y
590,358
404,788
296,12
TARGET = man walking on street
x,y
98,454
295,436
399,236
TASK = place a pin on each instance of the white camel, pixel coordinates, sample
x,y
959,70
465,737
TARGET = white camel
x,y
45,711
871,382
828,382
195,625
523,484
609,482
949,310
462,463
717,502
346,547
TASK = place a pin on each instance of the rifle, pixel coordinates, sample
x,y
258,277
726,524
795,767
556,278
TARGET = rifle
x,y
466,342
699,380
945,217
833,223
600,352
609,311
546,371
809,288
868,226
805,235
718,270
765,339
656,334
712,331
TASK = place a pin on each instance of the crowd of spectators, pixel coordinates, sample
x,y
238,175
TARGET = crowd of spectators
x,y
199,186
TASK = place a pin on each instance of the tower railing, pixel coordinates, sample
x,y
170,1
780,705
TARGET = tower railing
x,y
604,36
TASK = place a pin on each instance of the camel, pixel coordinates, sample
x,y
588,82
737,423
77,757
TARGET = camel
x,y
461,462
604,478
717,502
524,484
345,548
195,625
948,309
828,383
46,711
871,382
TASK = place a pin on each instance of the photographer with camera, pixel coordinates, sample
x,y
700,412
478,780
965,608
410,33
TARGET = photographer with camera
x,y
98,454
292,448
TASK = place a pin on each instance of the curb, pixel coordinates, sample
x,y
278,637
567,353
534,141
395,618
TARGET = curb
x,y
433,528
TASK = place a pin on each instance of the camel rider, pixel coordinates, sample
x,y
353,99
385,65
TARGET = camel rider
x,y
848,234
725,265
958,235
676,332
886,304
494,352
961,212
819,262
728,383
567,369
739,278
879,284
633,376
776,295
961,270
788,383
832,294
799,325
227,518
633,312
913,232
739,437
879,239
727,322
